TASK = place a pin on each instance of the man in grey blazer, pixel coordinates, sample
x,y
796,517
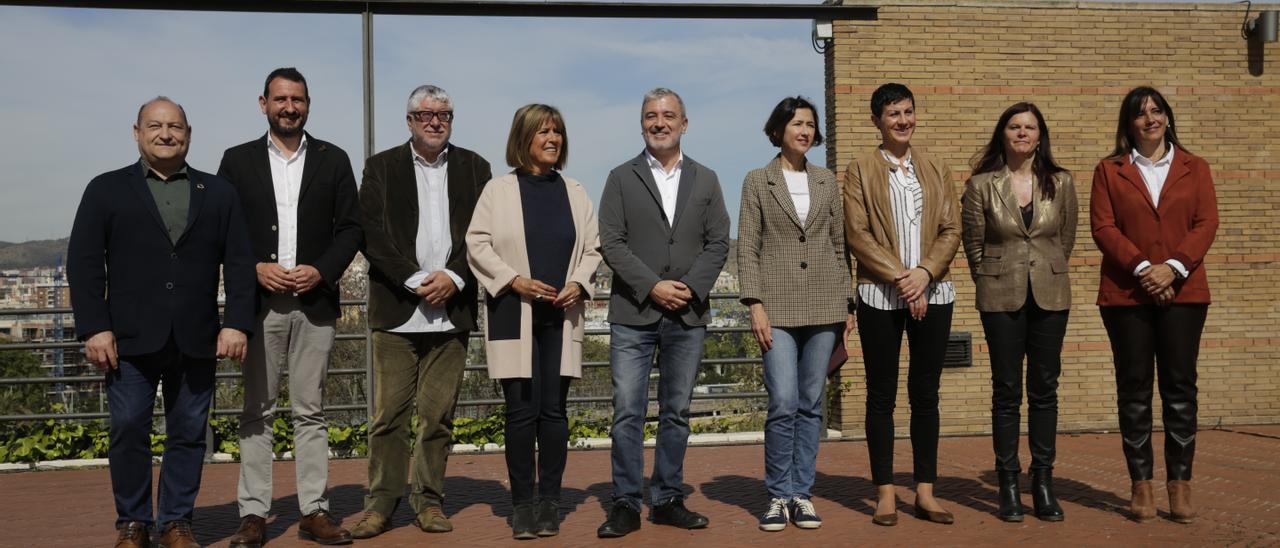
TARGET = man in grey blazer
x,y
665,233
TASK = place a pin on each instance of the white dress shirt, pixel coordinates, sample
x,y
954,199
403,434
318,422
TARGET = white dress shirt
x,y
668,183
798,186
906,202
433,243
286,180
1154,175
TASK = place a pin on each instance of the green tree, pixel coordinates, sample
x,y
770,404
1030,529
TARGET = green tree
x,y
21,398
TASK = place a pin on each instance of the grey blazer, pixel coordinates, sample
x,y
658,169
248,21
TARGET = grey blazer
x,y
1005,256
643,247
800,273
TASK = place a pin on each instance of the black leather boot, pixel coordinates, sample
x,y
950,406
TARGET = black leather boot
x,y
1010,498
1046,504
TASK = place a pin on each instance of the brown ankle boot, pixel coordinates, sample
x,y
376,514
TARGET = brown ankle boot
x,y
1180,508
1142,505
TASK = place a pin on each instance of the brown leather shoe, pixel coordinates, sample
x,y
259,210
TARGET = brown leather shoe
x,y
134,535
252,532
178,535
431,520
1142,505
1180,508
371,525
944,517
320,528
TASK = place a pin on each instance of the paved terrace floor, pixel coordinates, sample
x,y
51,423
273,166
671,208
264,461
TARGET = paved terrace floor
x,y
1237,488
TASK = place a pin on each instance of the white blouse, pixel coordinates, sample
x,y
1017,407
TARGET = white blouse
x,y
798,186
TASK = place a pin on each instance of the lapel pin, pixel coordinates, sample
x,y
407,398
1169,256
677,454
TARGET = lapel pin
x,y
199,186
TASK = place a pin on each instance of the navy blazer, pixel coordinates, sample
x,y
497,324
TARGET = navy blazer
x,y
328,228
128,278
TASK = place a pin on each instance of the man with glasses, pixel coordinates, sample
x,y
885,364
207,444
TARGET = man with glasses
x,y
415,204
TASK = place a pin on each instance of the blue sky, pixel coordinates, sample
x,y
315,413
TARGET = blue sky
x,y
74,80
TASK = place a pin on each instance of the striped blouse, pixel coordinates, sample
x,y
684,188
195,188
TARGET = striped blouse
x,y
906,201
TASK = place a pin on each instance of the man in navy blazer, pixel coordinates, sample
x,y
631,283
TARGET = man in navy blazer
x,y
299,195
143,264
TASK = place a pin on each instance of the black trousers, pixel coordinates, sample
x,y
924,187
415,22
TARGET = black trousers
x,y
536,414
881,334
1150,341
1034,333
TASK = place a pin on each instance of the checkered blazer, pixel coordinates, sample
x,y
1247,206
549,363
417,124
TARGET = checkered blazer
x,y
801,273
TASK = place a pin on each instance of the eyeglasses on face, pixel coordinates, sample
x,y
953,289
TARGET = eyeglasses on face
x,y
424,116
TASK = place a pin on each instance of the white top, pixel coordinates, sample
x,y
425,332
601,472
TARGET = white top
x,y
798,186
286,180
668,183
433,243
1154,175
906,201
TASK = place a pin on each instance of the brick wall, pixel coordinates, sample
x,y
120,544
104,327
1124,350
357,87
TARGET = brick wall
x,y
967,61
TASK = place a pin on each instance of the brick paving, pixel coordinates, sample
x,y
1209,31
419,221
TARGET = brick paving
x,y
1237,489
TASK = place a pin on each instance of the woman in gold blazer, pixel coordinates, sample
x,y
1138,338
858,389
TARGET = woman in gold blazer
x,y
794,273
902,224
534,248
1019,222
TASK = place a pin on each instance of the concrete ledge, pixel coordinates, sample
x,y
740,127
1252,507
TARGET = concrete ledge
x,y
736,438
70,464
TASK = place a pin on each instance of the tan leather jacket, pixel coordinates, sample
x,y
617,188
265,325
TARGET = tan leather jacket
x,y
1003,254
868,219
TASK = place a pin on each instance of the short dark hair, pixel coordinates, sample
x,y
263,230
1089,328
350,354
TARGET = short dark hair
x,y
889,94
784,113
1130,109
288,73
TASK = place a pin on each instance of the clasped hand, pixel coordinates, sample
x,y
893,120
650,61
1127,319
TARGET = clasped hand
x,y
913,286
299,279
538,291
1157,281
671,294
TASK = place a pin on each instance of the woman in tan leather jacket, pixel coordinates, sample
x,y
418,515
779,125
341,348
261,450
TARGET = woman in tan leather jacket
x,y
1019,219
902,224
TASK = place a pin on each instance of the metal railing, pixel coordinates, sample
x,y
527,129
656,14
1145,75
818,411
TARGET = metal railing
x,y
366,371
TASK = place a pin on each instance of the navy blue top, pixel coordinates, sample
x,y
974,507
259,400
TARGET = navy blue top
x,y
548,234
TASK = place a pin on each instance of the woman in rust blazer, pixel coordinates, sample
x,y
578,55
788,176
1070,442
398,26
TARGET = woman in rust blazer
x,y
1154,215
1019,218
902,224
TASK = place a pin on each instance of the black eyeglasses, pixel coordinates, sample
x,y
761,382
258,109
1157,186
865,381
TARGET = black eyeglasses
x,y
424,116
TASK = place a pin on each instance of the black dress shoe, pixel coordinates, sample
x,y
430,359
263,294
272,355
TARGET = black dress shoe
x,y
1010,498
547,518
674,513
1046,504
523,522
622,519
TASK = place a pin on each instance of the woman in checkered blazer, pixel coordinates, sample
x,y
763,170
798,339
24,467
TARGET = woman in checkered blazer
x,y
795,279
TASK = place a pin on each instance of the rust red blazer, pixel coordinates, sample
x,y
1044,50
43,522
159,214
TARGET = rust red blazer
x,y
1129,229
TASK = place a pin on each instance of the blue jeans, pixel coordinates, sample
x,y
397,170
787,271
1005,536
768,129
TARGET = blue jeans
x,y
131,395
795,374
631,351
